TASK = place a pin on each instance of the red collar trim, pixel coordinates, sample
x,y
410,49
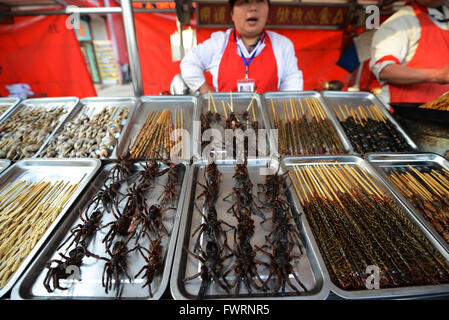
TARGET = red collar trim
x,y
237,34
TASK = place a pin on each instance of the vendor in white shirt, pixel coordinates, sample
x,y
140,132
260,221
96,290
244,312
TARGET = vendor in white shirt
x,y
244,58
410,53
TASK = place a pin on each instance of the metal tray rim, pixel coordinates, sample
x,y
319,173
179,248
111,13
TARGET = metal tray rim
x,y
336,124
387,292
239,95
26,262
371,158
383,108
322,294
15,294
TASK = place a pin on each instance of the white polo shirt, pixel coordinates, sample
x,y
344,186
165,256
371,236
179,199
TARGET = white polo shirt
x,y
207,56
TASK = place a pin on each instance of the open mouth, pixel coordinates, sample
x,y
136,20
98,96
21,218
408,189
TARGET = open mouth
x,y
252,20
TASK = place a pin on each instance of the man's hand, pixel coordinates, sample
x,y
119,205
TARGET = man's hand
x,y
204,88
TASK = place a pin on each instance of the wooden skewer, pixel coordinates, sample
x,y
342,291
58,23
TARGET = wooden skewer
x,y
224,108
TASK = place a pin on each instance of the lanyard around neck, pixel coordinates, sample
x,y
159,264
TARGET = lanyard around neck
x,y
246,63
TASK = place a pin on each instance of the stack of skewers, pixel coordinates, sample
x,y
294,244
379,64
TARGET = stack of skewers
x,y
369,130
230,119
154,137
305,129
27,209
441,103
356,226
428,190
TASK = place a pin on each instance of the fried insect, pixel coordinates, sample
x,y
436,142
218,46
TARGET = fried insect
x,y
115,265
281,266
211,268
54,274
82,231
245,268
211,229
154,262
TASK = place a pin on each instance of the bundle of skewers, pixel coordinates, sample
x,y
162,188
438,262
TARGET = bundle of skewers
x,y
428,190
369,130
232,120
153,139
304,128
27,209
356,225
92,133
22,134
440,103
121,209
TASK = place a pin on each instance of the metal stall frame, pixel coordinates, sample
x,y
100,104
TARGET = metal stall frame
x,y
127,12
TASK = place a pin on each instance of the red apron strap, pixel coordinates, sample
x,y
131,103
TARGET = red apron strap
x,y
263,68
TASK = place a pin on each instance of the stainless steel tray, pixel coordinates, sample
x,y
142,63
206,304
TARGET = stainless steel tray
x,y
68,103
96,105
384,161
9,104
4,164
310,267
33,170
147,103
240,103
354,99
90,286
306,94
358,162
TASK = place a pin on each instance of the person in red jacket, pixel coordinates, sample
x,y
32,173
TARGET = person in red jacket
x,y
410,53
244,58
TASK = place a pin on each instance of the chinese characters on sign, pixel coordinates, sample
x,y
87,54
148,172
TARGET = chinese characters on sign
x,y
281,15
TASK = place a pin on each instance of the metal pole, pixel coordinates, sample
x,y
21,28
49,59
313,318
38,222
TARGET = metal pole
x,y
131,43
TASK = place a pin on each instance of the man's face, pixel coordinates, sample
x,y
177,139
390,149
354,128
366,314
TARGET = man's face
x,y
250,16
430,3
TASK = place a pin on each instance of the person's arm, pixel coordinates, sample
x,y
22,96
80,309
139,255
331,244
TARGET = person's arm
x,y
291,78
198,60
399,74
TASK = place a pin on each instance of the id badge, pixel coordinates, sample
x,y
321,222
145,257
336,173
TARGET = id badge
x,y
246,85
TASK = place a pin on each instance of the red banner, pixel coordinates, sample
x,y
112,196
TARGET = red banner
x,y
290,15
42,52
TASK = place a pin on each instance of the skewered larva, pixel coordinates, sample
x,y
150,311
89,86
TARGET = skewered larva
x,y
428,191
